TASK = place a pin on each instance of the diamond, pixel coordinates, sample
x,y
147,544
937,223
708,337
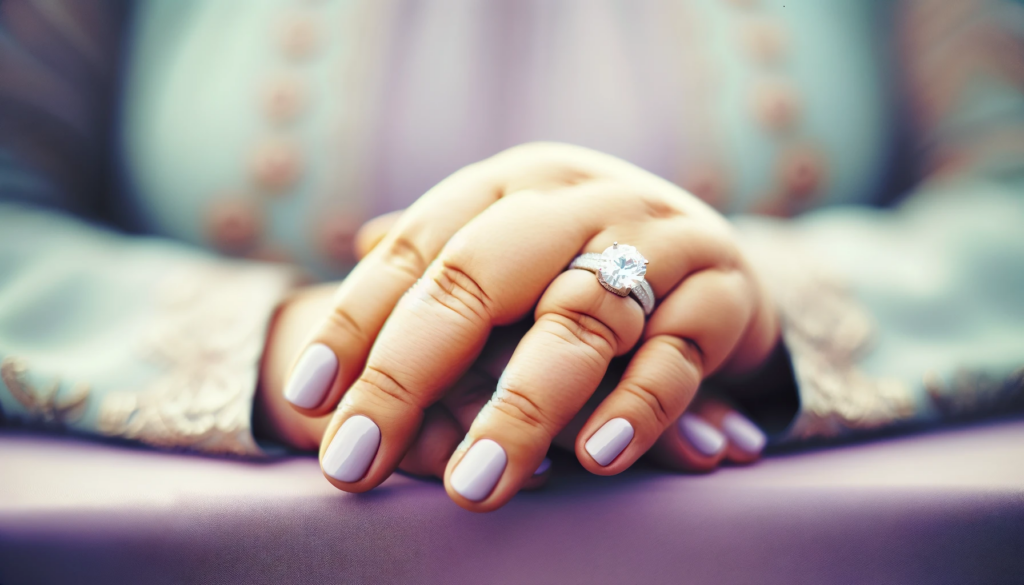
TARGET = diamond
x,y
622,267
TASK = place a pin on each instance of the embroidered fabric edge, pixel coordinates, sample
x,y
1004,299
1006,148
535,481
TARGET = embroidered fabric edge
x,y
825,329
207,339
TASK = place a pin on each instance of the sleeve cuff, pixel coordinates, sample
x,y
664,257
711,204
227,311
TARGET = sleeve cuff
x,y
207,340
825,330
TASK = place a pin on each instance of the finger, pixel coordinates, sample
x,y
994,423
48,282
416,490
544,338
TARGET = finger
x,y
337,350
579,328
439,328
745,440
709,425
471,394
540,476
273,417
338,347
373,231
441,430
437,439
688,337
692,444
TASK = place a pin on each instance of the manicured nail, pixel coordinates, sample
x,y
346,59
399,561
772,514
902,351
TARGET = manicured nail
x,y
610,440
312,377
704,437
352,449
479,471
743,433
544,466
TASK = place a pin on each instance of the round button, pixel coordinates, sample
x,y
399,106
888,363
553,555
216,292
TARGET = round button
x,y
707,182
283,98
765,40
337,236
271,253
802,171
234,224
275,165
299,36
772,204
776,105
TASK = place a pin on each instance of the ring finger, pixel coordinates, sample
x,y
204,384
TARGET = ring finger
x,y
579,328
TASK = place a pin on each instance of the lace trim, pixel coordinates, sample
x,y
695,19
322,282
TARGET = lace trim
x,y
825,330
208,339
44,405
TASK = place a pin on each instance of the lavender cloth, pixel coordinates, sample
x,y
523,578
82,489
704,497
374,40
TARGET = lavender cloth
x,y
945,507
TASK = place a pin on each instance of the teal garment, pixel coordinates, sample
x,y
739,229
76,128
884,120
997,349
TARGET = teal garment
x,y
391,97
896,317
125,336
261,130
135,338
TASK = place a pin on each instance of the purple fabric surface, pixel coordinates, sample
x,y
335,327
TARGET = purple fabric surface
x,y
944,507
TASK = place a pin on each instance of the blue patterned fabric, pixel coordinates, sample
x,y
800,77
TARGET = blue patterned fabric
x,y
142,146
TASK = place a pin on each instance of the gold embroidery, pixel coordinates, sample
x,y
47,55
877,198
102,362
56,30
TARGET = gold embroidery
x,y
43,405
208,340
837,397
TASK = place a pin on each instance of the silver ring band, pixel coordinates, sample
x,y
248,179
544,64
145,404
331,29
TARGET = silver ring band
x,y
636,287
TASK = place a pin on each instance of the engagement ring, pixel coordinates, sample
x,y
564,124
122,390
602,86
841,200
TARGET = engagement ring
x,y
620,269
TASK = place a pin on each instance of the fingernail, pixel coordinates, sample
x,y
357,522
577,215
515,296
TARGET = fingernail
x,y
704,437
479,471
312,377
610,440
544,466
352,449
743,433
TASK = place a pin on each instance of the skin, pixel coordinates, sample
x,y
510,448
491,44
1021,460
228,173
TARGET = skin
x,y
448,421
426,377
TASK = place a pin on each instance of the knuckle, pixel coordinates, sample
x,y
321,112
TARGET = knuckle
x,y
341,319
661,412
547,164
515,404
456,290
384,389
587,333
721,244
404,255
691,352
738,290
658,207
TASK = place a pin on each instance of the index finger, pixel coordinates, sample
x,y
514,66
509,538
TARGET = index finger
x,y
336,351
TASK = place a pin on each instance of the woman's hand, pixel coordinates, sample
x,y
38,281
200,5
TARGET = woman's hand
x,y
445,423
709,433
488,245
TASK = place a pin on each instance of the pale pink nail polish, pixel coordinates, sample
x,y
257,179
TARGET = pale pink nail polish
x,y
704,437
312,377
610,440
543,467
479,471
352,449
743,434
